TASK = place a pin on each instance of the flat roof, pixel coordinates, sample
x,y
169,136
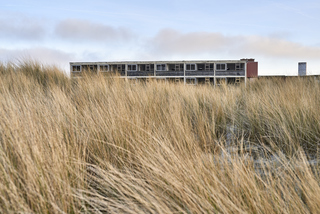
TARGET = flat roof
x,y
160,62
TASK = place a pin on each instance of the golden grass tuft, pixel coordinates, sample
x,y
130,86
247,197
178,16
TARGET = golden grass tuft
x,y
104,145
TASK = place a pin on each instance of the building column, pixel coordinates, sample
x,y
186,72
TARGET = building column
x,y
126,71
214,75
245,77
184,74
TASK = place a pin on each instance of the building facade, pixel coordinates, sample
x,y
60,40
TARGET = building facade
x,y
189,72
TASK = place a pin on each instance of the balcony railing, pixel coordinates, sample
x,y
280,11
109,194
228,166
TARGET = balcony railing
x,y
175,73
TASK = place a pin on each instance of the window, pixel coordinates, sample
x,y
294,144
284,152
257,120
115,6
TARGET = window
x,y
120,68
191,81
239,66
209,66
132,67
148,67
221,67
76,68
161,67
200,67
104,68
90,67
190,67
145,67
179,67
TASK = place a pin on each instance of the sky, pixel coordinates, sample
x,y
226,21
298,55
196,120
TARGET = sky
x,y
276,33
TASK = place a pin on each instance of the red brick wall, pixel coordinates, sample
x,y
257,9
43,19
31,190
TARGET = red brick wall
x,y
252,69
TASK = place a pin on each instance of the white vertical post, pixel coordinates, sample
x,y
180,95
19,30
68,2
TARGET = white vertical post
x,y
245,78
214,75
126,71
184,73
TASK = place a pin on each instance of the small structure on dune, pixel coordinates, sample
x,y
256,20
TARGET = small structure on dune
x,y
302,69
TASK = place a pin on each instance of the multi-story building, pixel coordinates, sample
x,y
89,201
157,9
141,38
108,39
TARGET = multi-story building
x,y
189,72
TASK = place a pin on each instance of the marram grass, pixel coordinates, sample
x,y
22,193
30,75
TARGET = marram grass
x,y
97,145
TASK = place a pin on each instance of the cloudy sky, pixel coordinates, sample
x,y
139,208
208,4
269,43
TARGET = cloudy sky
x,y
277,33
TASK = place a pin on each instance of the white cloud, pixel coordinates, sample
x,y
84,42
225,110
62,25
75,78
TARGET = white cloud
x,y
21,27
87,31
276,55
274,47
169,41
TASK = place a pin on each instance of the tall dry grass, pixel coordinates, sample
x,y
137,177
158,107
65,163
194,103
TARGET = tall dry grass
x,y
97,145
